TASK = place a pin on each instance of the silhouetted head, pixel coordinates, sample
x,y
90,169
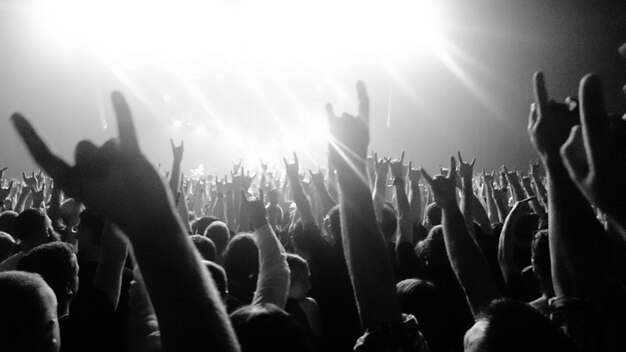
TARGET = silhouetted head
x,y
241,263
29,313
6,245
57,265
300,282
202,224
433,215
7,222
205,247
32,228
265,327
510,325
389,223
219,234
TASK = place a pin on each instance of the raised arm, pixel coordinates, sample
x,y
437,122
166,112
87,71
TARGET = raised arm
x,y
574,232
530,193
178,158
368,263
542,194
328,202
466,172
108,278
506,245
380,185
405,226
190,313
466,258
274,275
302,202
415,196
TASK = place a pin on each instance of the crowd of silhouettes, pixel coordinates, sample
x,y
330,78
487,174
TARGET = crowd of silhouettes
x,y
364,254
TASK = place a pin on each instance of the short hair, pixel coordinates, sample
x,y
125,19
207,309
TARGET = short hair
x,y
514,326
298,267
203,223
93,222
31,224
241,263
205,247
218,232
219,277
24,297
54,262
6,245
389,221
7,221
433,214
266,327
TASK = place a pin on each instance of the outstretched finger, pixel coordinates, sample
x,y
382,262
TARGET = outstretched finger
x,y
452,171
172,143
295,158
541,93
364,102
426,176
402,158
460,157
125,124
594,119
473,162
52,164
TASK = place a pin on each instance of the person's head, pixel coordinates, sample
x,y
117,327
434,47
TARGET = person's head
x,y
219,277
433,257
510,325
205,247
241,263
202,224
219,234
32,228
70,211
541,262
57,265
300,277
7,222
433,215
6,245
424,300
265,327
389,223
28,321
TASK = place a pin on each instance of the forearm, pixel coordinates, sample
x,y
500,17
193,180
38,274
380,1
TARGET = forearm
x,y
188,307
327,201
518,192
534,203
230,211
301,200
506,248
404,216
219,210
574,235
175,177
108,278
466,204
467,261
416,204
542,194
492,208
480,215
273,281
379,196
368,262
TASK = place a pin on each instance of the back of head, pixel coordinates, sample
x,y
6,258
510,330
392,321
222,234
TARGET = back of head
x,y
205,247
31,227
92,222
7,222
203,223
511,325
218,232
56,263
389,223
433,214
6,245
28,320
219,277
241,263
266,327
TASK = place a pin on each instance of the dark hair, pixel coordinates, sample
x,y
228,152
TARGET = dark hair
x,y
30,226
433,214
93,222
219,234
202,224
7,221
389,223
265,327
516,326
6,245
22,301
241,263
54,262
219,277
205,247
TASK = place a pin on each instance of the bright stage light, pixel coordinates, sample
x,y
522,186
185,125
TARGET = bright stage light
x,y
273,30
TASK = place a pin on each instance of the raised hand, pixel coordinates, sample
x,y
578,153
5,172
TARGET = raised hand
x,y
292,170
178,151
397,167
534,168
2,170
264,166
317,178
5,192
414,175
31,181
381,166
465,169
549,122
443,187
593,153
511,176
488,178
236,167
115,180
255,209
247,178
349,134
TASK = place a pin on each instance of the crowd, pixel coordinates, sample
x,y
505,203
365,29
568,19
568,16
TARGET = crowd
x,y
366,254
